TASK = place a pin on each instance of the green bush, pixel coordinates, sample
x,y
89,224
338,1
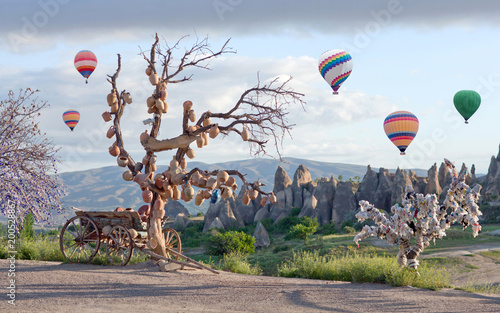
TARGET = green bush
x,y
327,229
199,214
237,262
192,236
304,230
230,241
348,230
295,212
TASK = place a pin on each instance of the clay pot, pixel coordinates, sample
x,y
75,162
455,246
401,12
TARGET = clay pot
x,y
163,95
111,132
245,135
106,230
211,183
174,170
159,182
106,116
214,131
174,162
145,159
245,199
159,204
253,194
226,193
206,122
149,71
144,136
122,161
153,79
143,210
169,192
160,105
163,85
114,108
114,150
128,176
230,181
195,178
133,233
127,97
165,107
205,137
189,191
188,105
272,198
150,101
112,100
147,195
263,201
190,153
176,195
198,200
202,182
234,186
178,179
183,164
120,209
192,116
207,194
222,176
200,142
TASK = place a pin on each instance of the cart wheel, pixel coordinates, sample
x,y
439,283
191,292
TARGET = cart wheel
x,y
79,239
119,246
172,242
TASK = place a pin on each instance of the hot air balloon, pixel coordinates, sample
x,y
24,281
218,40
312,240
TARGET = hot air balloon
x,y
467,102
335,66
71,118
401,127
85,63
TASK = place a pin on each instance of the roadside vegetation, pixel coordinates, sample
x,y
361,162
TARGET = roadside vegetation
x,y
299,248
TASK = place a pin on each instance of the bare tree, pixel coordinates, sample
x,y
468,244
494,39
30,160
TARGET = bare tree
x,y
259,115
28,163
421,219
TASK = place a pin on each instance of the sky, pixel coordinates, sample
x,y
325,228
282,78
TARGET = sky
x,y
407,55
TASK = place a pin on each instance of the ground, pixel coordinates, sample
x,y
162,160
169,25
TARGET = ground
x,y
57,287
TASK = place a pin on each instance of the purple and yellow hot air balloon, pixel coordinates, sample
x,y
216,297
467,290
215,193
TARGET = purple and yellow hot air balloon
x,y
85,63
71,118
401,127
335,66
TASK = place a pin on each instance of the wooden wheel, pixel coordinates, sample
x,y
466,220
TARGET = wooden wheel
x,y
119,245
79,239
172,242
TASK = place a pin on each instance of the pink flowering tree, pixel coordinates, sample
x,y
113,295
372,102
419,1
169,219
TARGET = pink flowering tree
x,y
28,163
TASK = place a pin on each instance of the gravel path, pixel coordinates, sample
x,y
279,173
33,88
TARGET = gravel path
x,y
56,287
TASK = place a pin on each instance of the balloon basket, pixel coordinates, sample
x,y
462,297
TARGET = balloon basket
x,y
402,153
335,93
466,122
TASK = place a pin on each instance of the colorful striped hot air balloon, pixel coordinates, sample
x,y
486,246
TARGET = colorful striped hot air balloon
x,y
335,66
85,63
401,127
71,118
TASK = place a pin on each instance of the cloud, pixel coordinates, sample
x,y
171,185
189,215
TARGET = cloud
x,y
46,22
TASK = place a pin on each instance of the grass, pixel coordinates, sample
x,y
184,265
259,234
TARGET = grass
x,y
359,268
491,288
493,254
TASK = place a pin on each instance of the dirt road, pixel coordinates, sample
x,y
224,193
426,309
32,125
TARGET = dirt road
x,y
55,287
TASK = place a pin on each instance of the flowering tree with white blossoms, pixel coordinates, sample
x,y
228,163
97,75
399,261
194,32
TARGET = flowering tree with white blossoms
x,y
422,218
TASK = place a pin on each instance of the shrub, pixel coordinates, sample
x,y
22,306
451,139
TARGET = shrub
x,y
303,230
237,262
327,229
231,241
348,230
28,233
199,214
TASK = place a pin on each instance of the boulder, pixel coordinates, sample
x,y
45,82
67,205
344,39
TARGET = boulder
x,y
261,214
172,208
282,216
261,236
216,223
181,221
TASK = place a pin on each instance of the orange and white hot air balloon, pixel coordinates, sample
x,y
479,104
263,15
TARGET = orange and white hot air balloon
x,y
401,127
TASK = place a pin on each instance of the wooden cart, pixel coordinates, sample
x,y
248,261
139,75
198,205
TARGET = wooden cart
x,y
82,238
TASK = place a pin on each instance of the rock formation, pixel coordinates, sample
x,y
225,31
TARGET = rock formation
x,y
261,236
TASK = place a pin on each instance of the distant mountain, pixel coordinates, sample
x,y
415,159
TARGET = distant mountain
x,y
103,189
